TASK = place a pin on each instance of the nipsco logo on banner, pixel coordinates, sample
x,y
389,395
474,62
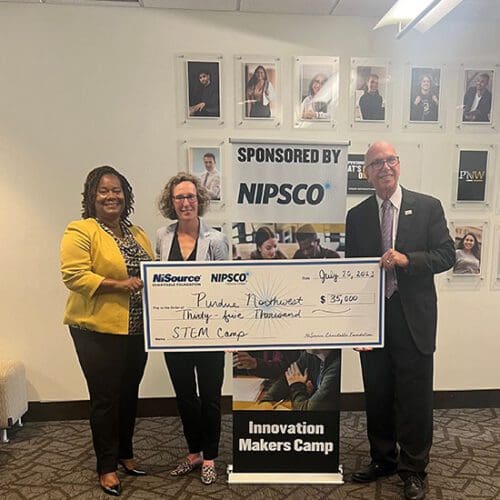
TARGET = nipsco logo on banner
x,y
259,193
229,277
169,279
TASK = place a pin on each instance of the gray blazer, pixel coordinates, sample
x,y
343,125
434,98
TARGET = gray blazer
x,y
212,244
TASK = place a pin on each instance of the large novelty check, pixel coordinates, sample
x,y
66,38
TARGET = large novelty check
x,y
278,304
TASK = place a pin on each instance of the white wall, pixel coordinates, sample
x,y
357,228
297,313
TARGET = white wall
x,y
84,86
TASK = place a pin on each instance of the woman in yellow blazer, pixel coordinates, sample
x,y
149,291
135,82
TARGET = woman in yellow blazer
x,y
100,256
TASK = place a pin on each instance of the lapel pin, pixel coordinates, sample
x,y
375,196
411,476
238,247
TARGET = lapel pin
x,y
408,212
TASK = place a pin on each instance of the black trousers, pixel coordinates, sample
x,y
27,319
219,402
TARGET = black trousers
x,y
113,366
399,397
200,413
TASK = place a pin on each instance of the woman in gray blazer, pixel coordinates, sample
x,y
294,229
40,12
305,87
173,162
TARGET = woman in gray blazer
x,y
189,239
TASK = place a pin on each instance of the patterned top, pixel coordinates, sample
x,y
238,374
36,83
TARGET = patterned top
x,y
132,254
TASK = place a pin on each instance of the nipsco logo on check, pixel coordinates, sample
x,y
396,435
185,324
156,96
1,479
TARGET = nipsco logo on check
x,y
176,279
229,277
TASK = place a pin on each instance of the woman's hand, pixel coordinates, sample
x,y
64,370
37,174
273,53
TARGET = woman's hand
x,y
130,285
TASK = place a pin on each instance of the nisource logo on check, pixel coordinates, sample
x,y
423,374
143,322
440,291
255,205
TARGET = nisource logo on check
x,y
169,279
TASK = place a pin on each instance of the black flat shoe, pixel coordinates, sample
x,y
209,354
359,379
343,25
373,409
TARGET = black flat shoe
x,y
115,490
132,472
372,473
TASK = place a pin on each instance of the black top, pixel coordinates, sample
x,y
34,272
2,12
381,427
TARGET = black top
x,y
175,250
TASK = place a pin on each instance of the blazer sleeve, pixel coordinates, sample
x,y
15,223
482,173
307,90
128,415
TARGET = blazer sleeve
x,y
440,253
76,261
219,246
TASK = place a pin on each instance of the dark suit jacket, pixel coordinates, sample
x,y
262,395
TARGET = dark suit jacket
x,y
423,236
483,108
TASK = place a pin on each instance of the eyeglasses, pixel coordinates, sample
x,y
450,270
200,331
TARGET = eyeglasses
x,y
391,161
321,82
191,198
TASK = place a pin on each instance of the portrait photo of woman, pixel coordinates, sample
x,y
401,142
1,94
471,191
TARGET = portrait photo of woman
x,y
315,105
424,105
424,100
260,84
468,254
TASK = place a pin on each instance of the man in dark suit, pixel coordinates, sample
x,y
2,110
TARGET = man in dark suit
x,y
477,100
409,232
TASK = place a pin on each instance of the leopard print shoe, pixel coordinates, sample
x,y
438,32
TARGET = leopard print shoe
x,y
184,468
208,474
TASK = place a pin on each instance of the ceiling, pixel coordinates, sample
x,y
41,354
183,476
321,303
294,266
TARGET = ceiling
x,y
467,10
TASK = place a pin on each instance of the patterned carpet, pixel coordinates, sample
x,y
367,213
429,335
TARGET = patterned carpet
x,y
54,460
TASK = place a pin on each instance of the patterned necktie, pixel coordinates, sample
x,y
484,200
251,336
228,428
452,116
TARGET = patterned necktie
x,y
386,228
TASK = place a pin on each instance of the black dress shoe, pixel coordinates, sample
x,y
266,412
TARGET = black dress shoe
x,y
414,488
372,473
132,472
115,490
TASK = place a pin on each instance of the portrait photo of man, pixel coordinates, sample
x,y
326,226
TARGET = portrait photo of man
x,y
203,89
203,162
478,96
370,93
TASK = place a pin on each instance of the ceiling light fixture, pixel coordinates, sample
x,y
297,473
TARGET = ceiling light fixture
x,y
418,14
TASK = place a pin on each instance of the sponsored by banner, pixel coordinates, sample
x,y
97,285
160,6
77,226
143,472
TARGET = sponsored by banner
x,y
289,182
289,202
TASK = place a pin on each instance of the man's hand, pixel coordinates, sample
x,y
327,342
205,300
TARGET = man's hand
x,y
196,108
293,375
392,258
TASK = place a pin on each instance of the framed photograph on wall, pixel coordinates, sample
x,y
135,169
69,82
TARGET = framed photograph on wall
x,y
205,163
316,92
199,94
469,237
369,93
259,90
425,93
472,177
422,104
477,96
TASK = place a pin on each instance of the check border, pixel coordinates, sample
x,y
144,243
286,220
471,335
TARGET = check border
x,y
146,267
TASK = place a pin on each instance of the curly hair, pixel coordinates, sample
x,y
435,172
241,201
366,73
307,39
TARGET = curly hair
x,y
90,192
475,250
166,203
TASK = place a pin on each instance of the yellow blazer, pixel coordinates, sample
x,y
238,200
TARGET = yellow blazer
x,y
88,256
